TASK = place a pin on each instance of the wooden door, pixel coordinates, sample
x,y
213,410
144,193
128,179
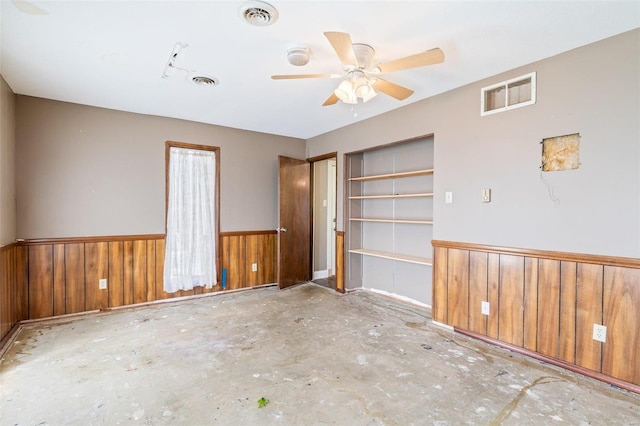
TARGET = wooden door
x,y
294,230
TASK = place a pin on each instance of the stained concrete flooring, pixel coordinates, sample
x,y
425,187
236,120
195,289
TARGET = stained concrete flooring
x,y
318,358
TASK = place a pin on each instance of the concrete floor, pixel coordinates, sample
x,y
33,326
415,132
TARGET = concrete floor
x,y
317,356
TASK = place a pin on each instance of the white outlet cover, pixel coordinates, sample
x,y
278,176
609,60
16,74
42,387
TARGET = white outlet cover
x,y
600,333
485,308
102,284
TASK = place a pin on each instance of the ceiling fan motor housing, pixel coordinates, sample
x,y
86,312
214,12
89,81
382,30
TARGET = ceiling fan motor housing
x,y
364,55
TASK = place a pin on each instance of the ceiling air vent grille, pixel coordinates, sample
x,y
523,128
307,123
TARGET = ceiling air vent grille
x,y
204,81
259,13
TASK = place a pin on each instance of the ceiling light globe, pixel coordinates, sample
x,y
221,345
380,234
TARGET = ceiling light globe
x,y
362,88
344,91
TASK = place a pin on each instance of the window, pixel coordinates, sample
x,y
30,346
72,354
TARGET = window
x,y
510,94
192,173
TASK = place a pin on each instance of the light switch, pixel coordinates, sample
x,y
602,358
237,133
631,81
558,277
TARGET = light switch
x,y
486,195
448,197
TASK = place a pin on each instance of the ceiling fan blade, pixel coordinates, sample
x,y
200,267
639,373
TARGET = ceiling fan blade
x,y
433,56
392,89
331,100
341,43
28,8
294,76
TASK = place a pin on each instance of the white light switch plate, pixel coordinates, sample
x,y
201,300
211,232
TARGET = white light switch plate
x,y
486,195
448,197
102,284
484,309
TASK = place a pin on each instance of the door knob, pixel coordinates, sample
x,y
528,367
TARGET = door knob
x,y
283,229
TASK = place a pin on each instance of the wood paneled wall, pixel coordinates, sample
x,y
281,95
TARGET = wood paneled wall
x,y
544,303
13,297
340,261
240,250
61,276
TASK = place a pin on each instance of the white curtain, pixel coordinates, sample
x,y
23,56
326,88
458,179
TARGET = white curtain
x,y
190,258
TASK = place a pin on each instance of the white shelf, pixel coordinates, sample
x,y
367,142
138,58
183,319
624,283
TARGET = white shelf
x,y
393,175
374,197
394,256
362,219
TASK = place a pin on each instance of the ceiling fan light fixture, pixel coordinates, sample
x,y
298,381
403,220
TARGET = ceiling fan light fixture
x,y
344,92
370,95
356,86
362,87
258,13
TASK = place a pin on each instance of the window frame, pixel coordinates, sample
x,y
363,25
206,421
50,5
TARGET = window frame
x,y
505,84
167,154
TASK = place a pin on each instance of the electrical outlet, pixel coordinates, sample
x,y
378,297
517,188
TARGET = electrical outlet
x,y
102,284
484,308
600,333
254,267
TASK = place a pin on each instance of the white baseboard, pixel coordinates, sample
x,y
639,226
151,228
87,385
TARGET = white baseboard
x,y
320,274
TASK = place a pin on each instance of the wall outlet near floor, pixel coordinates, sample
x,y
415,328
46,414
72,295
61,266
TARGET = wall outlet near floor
x,y
254,267
484,308
600,333
102,284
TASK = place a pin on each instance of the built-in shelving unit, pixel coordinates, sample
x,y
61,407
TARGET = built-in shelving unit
x,y
389,199
394,256
373,197
363,219
393,175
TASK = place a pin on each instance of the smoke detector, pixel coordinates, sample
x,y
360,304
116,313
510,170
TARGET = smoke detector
x,y
298,55
258,13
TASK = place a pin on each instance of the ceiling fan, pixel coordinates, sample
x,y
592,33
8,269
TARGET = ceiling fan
x,y
362,76
29,8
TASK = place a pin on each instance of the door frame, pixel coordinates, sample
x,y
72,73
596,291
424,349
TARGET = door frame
x,y
312,161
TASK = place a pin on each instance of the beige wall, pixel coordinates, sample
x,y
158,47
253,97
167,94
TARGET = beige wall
x,y
85,171
593,90
7,165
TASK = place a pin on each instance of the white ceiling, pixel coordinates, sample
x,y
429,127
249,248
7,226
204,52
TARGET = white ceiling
x,y
112,54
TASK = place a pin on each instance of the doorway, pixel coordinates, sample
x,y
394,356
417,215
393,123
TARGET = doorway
x,y
324,184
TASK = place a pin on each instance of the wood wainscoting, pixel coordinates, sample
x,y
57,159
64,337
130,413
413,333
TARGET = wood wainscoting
x,y
13,297
340,261
60,276
240,250
544,304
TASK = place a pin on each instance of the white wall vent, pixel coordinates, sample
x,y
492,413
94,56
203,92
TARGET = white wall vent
x,y
507,95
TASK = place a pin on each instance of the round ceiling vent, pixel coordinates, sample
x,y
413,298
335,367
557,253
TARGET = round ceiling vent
x,y
204,81
258,13
298,55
